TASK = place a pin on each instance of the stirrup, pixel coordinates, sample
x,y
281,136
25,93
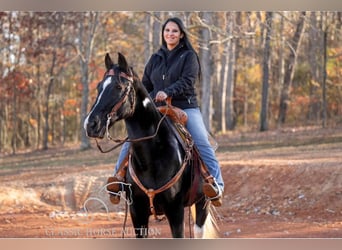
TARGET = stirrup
x,y
213,193
115,187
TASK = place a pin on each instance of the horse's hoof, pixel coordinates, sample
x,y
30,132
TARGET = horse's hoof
x,y
114,199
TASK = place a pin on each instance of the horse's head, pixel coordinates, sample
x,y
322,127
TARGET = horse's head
x,y
115,98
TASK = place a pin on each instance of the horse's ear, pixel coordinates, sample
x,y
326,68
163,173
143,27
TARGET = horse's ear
x,y
108,61
122,62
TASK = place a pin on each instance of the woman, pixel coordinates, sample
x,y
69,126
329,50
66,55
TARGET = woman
x,y
172,72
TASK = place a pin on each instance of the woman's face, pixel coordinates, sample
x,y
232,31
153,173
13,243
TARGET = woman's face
x,y
172,35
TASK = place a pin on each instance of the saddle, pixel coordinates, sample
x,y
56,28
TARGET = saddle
x,y
177,122
175,114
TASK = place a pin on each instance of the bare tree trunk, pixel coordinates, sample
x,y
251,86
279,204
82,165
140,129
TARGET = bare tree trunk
x,y
6,116
206,101
85,55
39,105
216,67
225,59
281,59
266,65
14,117
289,69
324,86
48,93
230,74
14,120
223,98
227,89
250,51
148,37
156,40
238,46
314,52
14,107
262,27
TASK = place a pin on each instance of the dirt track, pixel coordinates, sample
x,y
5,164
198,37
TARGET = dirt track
x,y
280,184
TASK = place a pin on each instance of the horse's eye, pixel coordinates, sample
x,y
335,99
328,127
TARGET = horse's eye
x,y
119,86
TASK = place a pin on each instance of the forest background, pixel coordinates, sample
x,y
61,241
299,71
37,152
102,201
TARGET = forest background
x,y
260,70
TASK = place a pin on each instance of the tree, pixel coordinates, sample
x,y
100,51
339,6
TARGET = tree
x,y
53,50
314,57
266,62
324,83
227,103
87,31
216,68
52,61
290,64
149,35
206,102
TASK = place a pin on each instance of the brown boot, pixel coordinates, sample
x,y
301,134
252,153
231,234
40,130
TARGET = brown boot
x,y
213,192
114,183
114,187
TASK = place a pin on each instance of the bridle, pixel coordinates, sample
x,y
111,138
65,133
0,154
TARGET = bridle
x,y
114,110
117,106
124,97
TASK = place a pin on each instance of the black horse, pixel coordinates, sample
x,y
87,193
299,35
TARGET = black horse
x,y
159,169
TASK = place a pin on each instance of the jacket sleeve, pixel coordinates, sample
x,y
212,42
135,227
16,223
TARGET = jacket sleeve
x,y
146,81
187,77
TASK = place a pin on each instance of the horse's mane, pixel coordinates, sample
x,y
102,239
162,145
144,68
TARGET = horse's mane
x,y
135,74
138,85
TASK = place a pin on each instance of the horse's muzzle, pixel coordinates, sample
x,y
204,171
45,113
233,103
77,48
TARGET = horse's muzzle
x,y
94,127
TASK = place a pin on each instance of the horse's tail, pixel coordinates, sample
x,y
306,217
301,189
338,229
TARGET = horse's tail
x,y
210,229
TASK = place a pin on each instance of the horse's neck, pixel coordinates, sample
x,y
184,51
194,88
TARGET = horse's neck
x,y
150,156
145,119
142,127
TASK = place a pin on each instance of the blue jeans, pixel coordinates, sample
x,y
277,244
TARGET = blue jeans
x,y
199,133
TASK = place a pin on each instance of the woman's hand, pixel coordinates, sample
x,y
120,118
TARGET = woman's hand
x,y
161,96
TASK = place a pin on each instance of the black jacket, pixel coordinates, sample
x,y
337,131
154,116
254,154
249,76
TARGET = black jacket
x,y
175,72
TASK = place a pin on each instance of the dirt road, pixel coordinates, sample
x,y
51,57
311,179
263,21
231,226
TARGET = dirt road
x,y
279,184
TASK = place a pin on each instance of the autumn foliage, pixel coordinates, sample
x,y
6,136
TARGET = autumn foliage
x,y
52,62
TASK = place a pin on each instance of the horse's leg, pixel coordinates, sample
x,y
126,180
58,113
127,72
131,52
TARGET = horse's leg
x,y
200,220
140,216
175,216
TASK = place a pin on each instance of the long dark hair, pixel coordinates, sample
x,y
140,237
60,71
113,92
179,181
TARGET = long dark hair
x,y
184,39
